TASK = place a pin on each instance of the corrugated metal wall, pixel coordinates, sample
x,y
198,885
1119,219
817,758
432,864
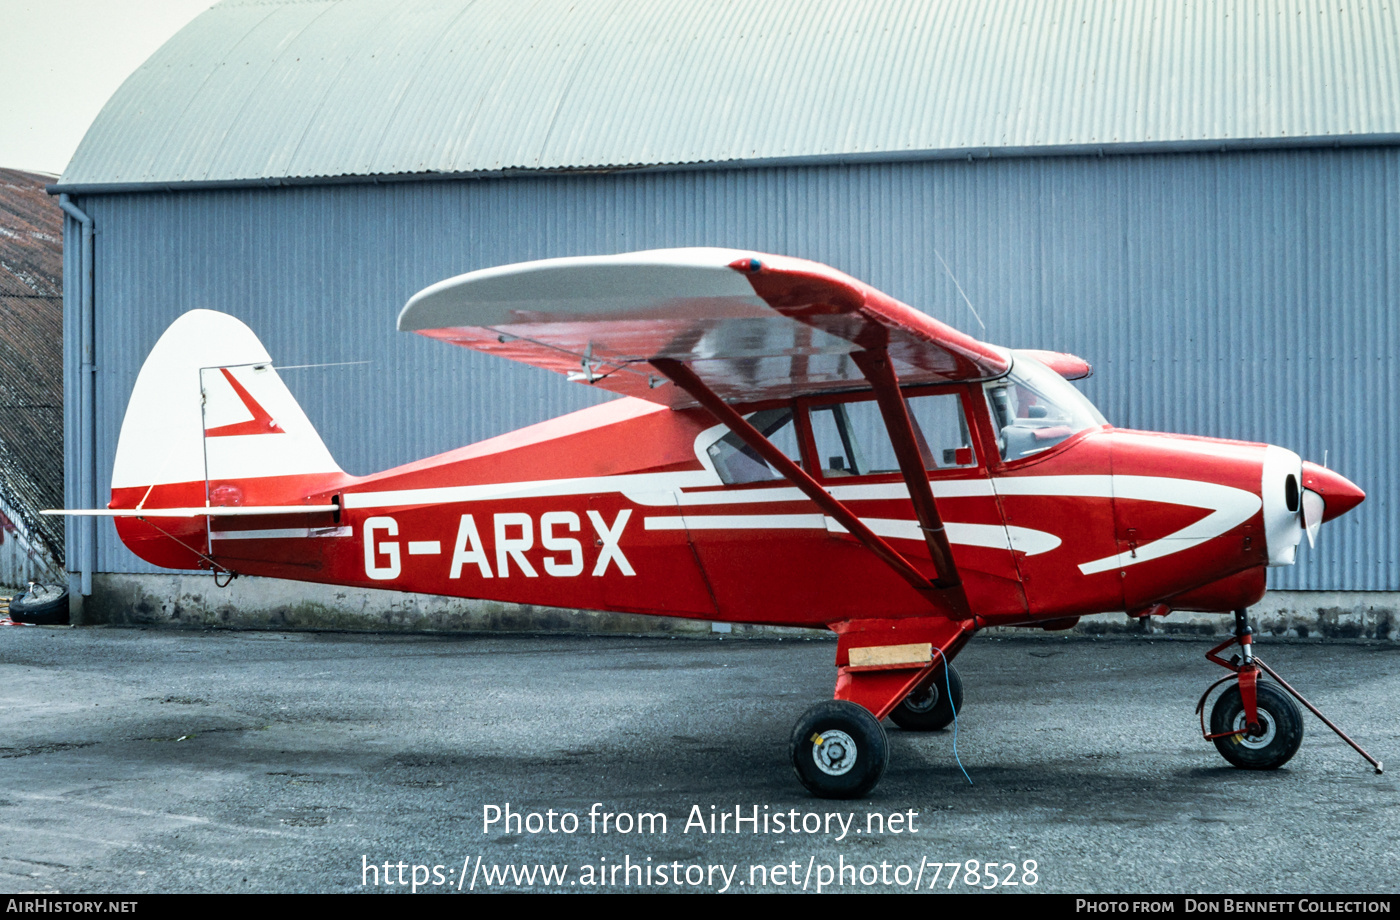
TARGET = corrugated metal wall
x,y
23,556
312,88
1245,295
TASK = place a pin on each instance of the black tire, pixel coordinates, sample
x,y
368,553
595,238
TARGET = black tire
x,y
42,605
1281,723
928,706
839,750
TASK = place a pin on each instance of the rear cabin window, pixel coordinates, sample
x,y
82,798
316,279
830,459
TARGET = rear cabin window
x,y
737,463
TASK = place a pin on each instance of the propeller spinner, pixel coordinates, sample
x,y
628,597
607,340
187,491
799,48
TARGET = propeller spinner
x,y
1326,495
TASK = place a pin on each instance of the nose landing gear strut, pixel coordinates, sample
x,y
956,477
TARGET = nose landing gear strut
x,y
1254,725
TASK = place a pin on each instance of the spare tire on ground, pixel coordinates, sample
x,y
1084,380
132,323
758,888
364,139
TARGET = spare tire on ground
x,y
42,605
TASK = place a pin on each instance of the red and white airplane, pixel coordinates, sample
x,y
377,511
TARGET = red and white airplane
x,y
794,448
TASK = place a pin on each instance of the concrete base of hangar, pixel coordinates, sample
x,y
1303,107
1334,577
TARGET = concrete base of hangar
x,y
1281,614
181,600
185,600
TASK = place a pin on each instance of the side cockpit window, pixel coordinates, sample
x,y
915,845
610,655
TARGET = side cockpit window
x,y
851,438
941,427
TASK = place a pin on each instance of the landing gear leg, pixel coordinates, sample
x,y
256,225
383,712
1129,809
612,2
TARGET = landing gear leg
x,y
1254,726
1258,726
839,749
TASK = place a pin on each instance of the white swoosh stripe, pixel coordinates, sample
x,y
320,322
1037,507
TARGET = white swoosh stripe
x,y
655,489
651,489
1228,508
738,522
942,488
283,533
1023,539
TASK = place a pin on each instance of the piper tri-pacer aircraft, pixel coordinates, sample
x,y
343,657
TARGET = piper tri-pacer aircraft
x,y
794,448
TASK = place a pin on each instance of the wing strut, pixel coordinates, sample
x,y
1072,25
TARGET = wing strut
x,y
879,370
683,377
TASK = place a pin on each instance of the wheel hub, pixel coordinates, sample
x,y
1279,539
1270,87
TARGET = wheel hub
x,y
923,698
1260,739
834,752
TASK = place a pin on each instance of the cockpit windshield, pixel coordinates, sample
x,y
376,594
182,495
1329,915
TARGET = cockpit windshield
x,y
1033,409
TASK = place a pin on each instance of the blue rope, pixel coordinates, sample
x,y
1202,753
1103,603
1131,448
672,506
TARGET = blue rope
x,y
948,684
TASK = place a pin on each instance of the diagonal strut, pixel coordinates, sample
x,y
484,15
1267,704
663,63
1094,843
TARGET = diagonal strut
x,y
689,381
879,370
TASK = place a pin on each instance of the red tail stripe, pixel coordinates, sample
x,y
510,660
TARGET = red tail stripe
x,y
260,423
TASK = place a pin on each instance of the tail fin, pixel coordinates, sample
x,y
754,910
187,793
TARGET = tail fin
x,y
210,422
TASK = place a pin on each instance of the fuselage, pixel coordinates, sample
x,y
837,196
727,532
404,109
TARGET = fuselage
x,y
634,507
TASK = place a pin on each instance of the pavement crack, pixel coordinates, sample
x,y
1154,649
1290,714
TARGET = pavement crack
x,y
48,748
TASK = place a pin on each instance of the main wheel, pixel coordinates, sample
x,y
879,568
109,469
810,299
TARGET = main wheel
x,y
928,707
1280,728
44,605
839,750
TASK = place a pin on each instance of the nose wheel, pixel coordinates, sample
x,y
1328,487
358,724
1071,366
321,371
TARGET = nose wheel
x,y
1257,725
1270,741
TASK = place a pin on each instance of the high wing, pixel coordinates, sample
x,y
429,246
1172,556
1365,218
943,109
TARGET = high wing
x,y
751,326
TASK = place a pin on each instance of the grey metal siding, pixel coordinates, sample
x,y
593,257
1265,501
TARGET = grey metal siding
x,y
1245,295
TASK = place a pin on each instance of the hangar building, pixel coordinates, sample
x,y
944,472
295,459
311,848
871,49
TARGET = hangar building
x,y
1202,198
31,385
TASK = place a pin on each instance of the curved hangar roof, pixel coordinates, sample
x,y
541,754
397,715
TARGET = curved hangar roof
x,y
264,90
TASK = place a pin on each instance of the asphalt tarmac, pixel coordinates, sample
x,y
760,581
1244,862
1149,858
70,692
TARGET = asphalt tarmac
x,y
165,761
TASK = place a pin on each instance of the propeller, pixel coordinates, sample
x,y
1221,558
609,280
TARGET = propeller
x,y
1313,508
